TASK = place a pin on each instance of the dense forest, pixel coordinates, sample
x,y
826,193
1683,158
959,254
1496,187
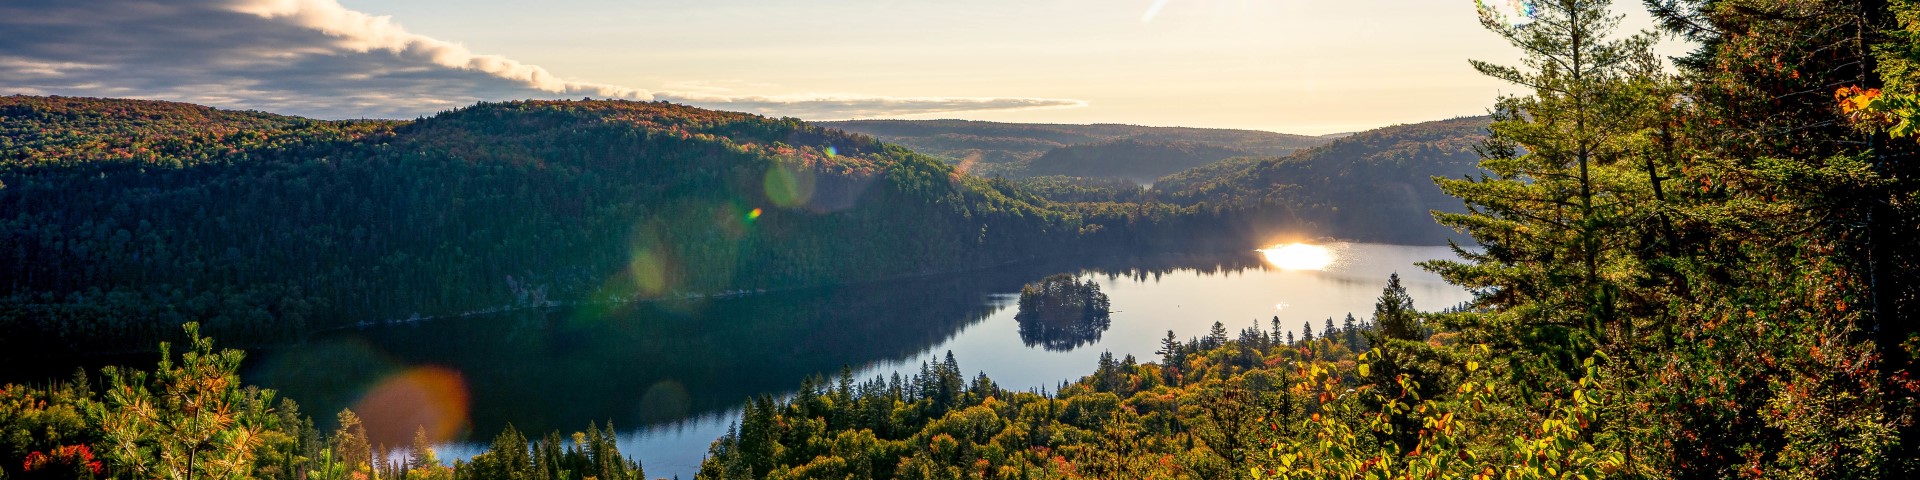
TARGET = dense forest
x,y
191,417
1376,184
125,218
1691,272
1137,160
1692,275
1012,150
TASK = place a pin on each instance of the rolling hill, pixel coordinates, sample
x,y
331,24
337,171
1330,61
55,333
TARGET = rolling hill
x,y
120,219
994,148
1140,161
1375,184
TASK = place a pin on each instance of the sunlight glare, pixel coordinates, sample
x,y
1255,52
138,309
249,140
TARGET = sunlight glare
x,y
1508,12
1153,10
1299,256
428,397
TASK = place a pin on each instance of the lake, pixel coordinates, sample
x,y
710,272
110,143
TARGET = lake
x,y
671,375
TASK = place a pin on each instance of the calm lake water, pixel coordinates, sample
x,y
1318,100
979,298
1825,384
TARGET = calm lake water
x,y
671,375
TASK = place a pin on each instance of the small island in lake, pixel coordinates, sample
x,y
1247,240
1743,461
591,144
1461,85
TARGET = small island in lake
x,y
1060,313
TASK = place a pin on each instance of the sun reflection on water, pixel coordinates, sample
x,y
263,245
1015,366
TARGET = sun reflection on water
x,y
1299,256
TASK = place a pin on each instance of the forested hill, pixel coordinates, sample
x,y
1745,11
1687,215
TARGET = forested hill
x,y
1373,184
993,148
119,219
1137,160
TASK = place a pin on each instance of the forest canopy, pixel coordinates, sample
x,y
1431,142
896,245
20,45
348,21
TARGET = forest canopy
x,y
1700,270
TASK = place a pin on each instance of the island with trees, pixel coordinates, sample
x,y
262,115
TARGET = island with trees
x,y
1061,312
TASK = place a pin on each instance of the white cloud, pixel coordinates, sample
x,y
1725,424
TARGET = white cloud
x,y
361,32
319,58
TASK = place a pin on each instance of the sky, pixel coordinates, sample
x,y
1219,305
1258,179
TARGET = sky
x,y
1294,66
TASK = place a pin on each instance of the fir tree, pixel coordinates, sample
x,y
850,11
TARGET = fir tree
x,y
1393,313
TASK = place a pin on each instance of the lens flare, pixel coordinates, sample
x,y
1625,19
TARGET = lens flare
x,y
1299,256
1507,12
434,398
789,187
1153,11
753,214
649,272
966,164
665,401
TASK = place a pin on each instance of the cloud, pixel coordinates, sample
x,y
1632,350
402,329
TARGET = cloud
x,y
361,33
318,58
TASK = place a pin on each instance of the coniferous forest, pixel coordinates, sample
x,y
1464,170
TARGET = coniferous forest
x,y
127,218
1698,267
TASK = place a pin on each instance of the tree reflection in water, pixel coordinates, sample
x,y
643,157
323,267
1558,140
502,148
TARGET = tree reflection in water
x,y
1061,313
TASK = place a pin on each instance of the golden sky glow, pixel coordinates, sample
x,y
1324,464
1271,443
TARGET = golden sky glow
x,y
1296,66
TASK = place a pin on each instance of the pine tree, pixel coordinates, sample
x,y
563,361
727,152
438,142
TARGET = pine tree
x,y
509,456
1169,347
420,455
1352,331
1393,313
1172,356
189,418
1802,114
1561,192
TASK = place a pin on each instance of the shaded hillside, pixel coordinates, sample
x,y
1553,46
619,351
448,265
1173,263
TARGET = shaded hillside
x,y
1065,189
1373,185
993,148
1138,160
119,219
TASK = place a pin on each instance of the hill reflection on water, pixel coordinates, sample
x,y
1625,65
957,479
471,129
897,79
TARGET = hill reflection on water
x,y
672,374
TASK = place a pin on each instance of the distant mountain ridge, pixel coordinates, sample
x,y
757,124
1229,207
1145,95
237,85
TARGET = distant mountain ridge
x,y
1005,149
1377,183
1374,186
1141,161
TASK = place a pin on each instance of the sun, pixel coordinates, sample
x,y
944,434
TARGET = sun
x,y
1299,256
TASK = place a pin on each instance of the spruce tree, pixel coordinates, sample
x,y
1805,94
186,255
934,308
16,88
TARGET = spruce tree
x,y
1803,118
420,454
1393,313
1560,190
1217,335
1352,331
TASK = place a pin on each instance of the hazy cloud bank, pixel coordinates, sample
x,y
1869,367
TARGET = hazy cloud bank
x,y
318,58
